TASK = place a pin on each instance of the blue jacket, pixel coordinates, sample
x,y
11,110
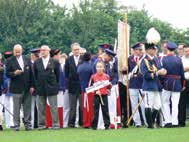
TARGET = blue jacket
x,y
135,81
160,81
174,79
112,70
148,69
63,84
84,70
6,83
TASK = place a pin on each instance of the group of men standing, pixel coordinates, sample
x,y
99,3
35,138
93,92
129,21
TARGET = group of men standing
x,y
161,80
160,83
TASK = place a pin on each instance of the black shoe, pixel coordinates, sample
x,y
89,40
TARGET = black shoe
x,y
138,126
107,128
41,128
148,114
28,128
124,126
168,125
175,126
1,128
11,127
154,115
16,128
55,128
94,128
71,126
182,125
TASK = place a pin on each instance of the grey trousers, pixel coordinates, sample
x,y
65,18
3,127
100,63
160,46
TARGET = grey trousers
x,y
24,100
73,105
42,101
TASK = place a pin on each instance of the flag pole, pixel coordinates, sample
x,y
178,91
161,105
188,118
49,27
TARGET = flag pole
x,y
127,56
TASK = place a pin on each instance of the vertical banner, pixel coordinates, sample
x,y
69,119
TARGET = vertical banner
x,y
123,54
123,45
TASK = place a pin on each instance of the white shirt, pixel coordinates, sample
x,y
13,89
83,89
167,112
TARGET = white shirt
x,y
122,78
185,62
76,59
136,58
21,62
62,66
151,57
45,61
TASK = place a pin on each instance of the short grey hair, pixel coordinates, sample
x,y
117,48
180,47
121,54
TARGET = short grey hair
x,y
46,47
17,46
75,44
64,55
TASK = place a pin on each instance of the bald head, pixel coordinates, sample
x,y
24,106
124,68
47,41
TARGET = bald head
x,y
17,50
45,51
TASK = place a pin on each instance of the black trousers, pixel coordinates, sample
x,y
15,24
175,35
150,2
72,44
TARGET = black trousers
x,y
123,103
35,117
105,111
182,105
73,98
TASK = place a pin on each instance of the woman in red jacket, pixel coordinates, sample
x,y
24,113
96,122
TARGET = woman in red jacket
x,y
100,97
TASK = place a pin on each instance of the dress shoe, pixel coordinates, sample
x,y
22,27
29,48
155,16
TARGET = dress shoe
x,y
28,128
168,125
41,128
1,128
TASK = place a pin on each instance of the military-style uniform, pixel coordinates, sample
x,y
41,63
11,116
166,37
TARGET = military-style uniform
x,y
111,68
135,84
149,67
173,84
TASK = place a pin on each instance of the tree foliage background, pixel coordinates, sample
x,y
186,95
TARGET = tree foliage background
x,y
36,22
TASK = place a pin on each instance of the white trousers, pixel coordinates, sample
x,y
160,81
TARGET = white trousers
x,y
8,102
112,103
1,108
77,115
135,97
174,97
152,100
33,103
63,101
100,120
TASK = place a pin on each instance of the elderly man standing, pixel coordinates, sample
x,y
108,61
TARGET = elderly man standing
x,y
74,89
47,72
18,69
185,92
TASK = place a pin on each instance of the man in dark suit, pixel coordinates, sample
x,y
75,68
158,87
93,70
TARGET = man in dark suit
x,y
74,89
47,72
18,69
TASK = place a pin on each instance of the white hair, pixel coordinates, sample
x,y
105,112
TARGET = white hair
x,y
46,47
75,44
17,46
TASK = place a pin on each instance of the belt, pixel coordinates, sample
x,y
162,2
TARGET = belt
x,y
172,76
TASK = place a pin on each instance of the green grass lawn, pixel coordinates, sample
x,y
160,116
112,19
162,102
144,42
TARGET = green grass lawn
x,y
87,135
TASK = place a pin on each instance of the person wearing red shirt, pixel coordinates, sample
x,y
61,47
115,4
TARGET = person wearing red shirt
x,y
100,96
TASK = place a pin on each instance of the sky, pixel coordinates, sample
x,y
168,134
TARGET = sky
x,y
174,12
